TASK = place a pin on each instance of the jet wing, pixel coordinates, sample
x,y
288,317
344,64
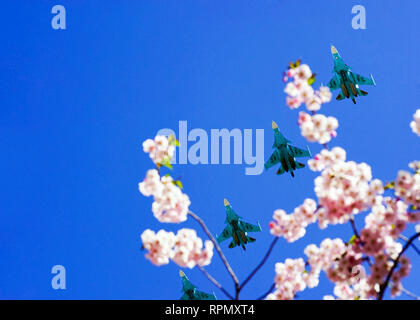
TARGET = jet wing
x,y
300,152
334,83
250,227
358,79
200,295
185,297
274,159
227,233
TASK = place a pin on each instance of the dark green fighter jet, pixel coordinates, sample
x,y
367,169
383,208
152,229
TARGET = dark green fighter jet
x,y
346,80
191,292
236,229
285,154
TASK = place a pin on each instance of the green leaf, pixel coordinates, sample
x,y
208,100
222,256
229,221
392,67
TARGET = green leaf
x,y
352,239
178,184
294,65
173,141
390,185
312,79
166,163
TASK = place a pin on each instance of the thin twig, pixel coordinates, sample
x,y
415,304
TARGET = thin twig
x,y
268,292
403,237
215,282
218,249
395,264
353,225
260,264
408,293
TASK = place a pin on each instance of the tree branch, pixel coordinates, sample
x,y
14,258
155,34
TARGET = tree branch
x,y
218,249
395,264
408,293
268,292
215,282
403,237
353,225
260,264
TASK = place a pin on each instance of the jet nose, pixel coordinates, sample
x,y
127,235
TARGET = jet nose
x,y
274,125
334,50
226,203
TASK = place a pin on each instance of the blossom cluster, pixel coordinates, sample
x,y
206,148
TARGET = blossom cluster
x,y
170,203
317,128
327,158
293,226
184,248
415,124
160,149
345,188
289,279
299,90
407,186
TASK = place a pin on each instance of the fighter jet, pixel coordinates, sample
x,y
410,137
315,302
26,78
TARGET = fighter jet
x,y
347,80
236,228
285,154
191,292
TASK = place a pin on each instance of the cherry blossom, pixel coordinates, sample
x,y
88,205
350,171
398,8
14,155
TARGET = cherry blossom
x,y
326,158
289,279
415,124
292,226
159,246
299,91
343,189
189,250
184,248
407,186
159,149
170,203
317,128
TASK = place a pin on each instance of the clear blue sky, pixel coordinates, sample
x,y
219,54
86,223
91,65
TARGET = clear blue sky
x,y
77,104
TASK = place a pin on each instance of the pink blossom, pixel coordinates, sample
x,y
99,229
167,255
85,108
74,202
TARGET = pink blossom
x,y
159,149
170,203
159,246
292,226
184,248
289,279
407,187
415,124
343,189
317,128
189,250
299,91
326,158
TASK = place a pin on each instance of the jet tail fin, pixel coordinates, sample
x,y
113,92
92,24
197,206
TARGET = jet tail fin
x,y
299,165
340,97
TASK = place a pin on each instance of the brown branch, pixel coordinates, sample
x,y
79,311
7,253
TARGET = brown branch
x,y
218,249
215,282
260,264
395,264
353,226
408,293
403,237
268,292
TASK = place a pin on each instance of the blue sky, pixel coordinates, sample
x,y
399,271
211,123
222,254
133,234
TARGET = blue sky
x,y
76,105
